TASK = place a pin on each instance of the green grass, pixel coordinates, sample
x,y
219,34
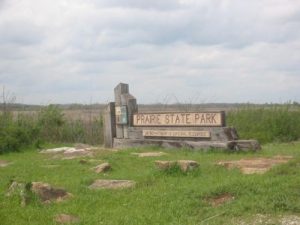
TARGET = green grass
x,y
267,124
159,197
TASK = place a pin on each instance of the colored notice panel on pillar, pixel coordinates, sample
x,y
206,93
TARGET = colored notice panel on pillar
x,y
121,115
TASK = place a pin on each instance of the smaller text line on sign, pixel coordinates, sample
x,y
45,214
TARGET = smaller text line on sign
x,y
180,119
176,133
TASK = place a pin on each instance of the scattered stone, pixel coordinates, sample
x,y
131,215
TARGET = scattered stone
x,y
4,163
70,152
102,168
256,165
220,200
112,184
75,153
149,154
245,145
55,150
187,165
21,189
165,165
66,218
49,194
184,165
44,191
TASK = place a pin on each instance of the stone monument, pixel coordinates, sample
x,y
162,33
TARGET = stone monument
x,y
125,127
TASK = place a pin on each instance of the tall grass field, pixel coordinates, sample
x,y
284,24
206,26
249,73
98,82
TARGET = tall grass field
x,y
50,124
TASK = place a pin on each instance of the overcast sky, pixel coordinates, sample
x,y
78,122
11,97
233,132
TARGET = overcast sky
x,y
189,51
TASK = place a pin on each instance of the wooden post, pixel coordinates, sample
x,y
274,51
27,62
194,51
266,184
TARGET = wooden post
x,y
109,125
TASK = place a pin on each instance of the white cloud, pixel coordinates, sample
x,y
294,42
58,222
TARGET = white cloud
x,y
221,51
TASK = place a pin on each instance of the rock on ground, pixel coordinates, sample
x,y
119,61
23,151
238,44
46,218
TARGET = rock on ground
x,y
102,168
55,150
49,194
66,218
112,184
18,188
256,165
184,165
187,165
71,152
165,165
150,154
44,191
4,163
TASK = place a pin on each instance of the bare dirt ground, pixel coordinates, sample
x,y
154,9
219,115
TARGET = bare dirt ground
x,y
220,200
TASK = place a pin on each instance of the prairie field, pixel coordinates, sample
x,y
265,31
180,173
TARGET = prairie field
x,y
209,194
159,197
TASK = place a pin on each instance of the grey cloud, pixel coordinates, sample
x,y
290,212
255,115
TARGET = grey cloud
x,y
182,49
203,25
20,33
151,4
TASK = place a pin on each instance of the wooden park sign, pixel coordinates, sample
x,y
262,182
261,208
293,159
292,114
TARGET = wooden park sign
x,y
126,127
207,119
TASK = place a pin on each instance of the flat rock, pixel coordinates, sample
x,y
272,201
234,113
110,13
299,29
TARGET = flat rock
x,y
112,184
20,189
255,165
55,150
187,165
49,194
150,154
165,165
66,218
4,163
184,165
102,168
70,152
75,153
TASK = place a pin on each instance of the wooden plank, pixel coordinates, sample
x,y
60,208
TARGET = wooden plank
x,y
176,133
208,119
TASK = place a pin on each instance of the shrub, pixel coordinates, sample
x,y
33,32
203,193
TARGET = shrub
x,y
15,134
50,122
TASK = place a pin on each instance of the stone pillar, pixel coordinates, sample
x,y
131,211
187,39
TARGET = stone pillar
x,y
123,98
130,102
119,90
109,125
